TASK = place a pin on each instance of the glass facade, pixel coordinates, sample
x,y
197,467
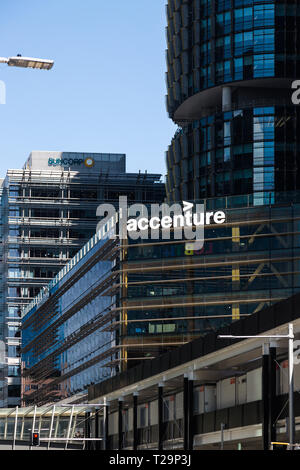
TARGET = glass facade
x,y
239,57
250,150
211,42
171,295
64,344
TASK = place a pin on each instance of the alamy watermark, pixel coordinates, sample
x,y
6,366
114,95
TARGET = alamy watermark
x,y
296,94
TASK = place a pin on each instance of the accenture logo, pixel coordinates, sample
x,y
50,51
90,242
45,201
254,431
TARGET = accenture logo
x,y
158,221
187,219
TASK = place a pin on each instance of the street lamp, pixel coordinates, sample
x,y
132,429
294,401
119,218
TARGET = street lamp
x,y
27,62
290,337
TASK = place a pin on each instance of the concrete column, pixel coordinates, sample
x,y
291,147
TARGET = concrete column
x,y
226,98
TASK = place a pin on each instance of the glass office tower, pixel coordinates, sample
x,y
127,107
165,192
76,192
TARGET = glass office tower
x,y
48,214
230,68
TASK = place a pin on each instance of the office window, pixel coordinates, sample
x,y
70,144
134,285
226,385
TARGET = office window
x,y
240,3
12,331
45,213
227,133
222,5
205,53
14,252
238,69
14,272
45,193
243,43
14,212
15,232
12,351
205,29
44,233
13,371
264,40
44,253
264,65
14,312
15,191
263,128
223,23
223,48
44,272
263,153
264,15
14,391
243,19
83,194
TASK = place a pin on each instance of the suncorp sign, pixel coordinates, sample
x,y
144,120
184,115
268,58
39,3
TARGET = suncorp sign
x,y
88,162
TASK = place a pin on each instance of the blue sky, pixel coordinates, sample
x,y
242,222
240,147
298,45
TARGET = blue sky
x,y
106,92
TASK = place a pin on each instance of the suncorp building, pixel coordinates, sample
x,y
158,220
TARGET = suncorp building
x,y
48,213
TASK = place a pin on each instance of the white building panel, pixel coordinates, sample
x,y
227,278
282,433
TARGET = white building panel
x,y
254,385
226,393
207,398
284,377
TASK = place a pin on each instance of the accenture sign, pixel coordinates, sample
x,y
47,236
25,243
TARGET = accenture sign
x,y
88,162
178,221
187,219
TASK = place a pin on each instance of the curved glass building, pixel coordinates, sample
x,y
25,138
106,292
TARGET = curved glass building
x,y
230,66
